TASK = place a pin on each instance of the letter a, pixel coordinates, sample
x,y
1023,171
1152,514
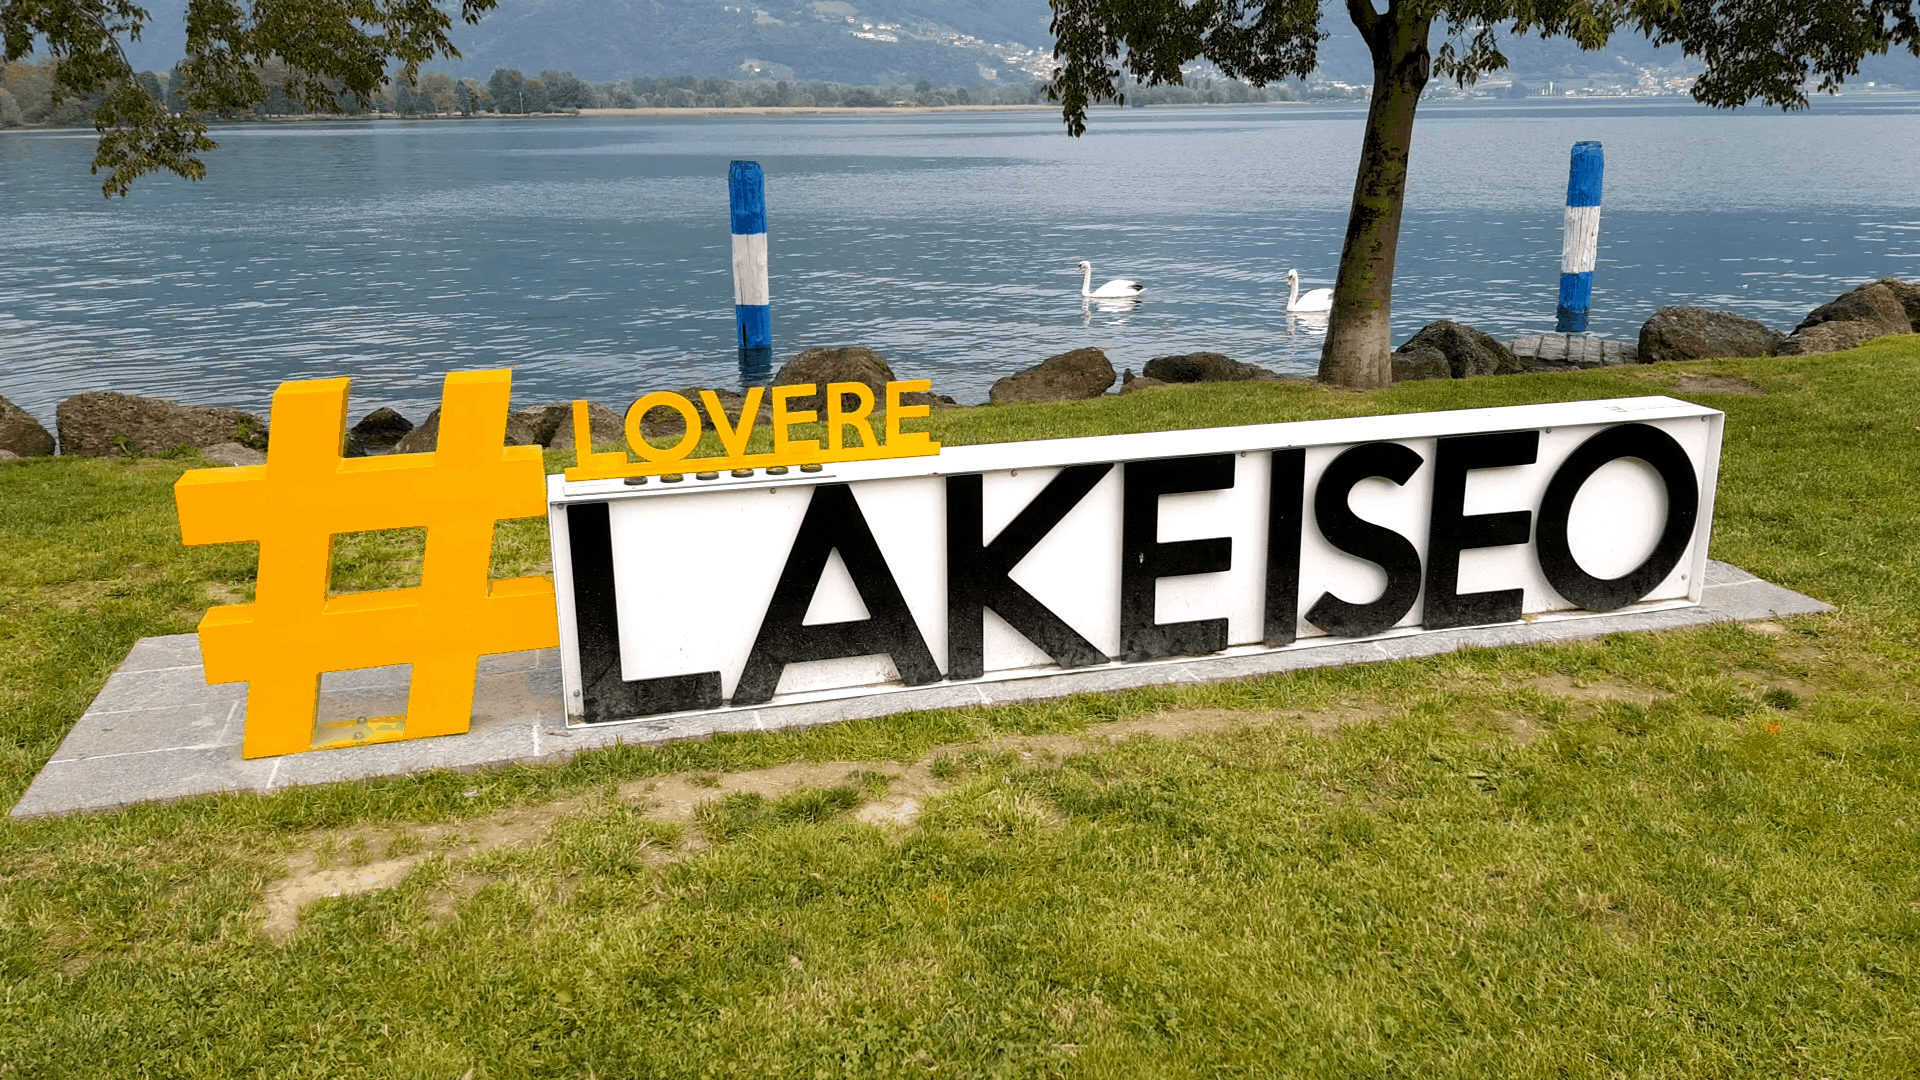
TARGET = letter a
x,y
834,523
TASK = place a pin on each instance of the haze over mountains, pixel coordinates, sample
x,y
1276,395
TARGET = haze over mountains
x,y
875,42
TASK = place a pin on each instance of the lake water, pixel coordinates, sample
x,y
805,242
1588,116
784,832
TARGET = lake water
x,y
593,256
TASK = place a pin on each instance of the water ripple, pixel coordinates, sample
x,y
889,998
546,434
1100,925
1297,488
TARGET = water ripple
x,y
593,257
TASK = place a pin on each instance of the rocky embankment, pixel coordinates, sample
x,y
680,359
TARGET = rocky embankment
x,y
1444,350
106,424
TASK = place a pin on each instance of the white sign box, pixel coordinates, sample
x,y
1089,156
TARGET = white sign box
x,y
1021,559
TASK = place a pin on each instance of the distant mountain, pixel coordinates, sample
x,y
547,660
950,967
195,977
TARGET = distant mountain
x,y
964,42
872,42
868,42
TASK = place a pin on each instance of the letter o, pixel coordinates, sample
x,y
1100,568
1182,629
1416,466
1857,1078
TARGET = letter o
x,y
1667,458
689,416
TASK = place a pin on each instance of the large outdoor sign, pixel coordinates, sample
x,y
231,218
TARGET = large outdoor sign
x,y
741,588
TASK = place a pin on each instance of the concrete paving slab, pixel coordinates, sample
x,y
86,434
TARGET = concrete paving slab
x,y
197,725
160,653
113,781
159,732
140,691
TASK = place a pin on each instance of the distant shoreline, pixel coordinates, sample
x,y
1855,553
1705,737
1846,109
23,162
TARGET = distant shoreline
x,y
697,111
806,110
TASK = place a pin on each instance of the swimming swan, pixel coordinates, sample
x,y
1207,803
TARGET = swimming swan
x,y
1317,300
1118,288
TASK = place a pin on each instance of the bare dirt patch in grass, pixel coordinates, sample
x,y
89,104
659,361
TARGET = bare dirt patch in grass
x,y
352,863
675,798
311,874
1791,650
1760,683
1192,723
1522,729
222,594
1714,384
1592,691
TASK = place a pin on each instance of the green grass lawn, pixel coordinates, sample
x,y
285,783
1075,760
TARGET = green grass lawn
x,y
1687,854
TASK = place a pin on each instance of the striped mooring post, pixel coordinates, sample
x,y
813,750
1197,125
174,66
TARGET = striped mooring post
x,y
1582,238
747,197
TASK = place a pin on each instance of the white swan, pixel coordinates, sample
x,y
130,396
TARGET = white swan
x,y
1317,300
1118,288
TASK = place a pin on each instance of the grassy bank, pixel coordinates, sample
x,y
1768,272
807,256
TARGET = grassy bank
x,y
1687,854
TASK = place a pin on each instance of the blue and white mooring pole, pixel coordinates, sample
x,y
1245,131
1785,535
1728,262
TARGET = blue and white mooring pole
x,y
1582,238
747,195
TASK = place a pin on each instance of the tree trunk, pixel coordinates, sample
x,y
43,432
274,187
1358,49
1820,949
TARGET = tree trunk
x,y
1359,340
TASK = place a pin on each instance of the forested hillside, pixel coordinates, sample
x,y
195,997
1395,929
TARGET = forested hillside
x,y
966,42
878,42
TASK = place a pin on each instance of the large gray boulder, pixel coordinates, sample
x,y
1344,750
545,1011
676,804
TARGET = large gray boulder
x,y
543,422
1131,384
232,453
106,424
1069,376
849,363
1691,333
21,433
1909,295
1873,310
1878,303
1829,337
664,425
1202,367
608,427
1449,350
426,434
378,432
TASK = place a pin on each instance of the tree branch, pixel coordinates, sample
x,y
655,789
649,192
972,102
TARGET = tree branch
x,y
329,47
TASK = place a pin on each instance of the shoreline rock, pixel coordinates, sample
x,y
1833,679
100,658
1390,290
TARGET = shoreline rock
x,y
107,424
21,435
1690,333
1873,310
232,453
1202,367
1069,376
377,433
605,426
110,424
1444,349
426,434
843,363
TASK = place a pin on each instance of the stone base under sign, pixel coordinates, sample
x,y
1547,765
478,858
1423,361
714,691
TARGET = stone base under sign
x,y
159,732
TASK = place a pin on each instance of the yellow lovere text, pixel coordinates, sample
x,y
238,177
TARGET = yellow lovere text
x,y
849,409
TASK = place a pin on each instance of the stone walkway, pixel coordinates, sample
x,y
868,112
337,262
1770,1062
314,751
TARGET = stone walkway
x,y
157,731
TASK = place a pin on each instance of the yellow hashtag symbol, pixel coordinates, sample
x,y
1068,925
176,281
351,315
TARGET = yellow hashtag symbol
x,y
305,494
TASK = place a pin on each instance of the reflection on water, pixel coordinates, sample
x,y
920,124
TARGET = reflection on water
x,y
1114,309
593,255
1307,322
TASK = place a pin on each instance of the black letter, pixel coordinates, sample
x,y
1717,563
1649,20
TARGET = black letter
x,y
1450,530
834,522
1374,543
977,576
1656,448
1144,560
1284,493
604,695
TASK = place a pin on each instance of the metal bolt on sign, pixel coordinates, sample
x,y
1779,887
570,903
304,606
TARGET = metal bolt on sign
x,y
306,494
